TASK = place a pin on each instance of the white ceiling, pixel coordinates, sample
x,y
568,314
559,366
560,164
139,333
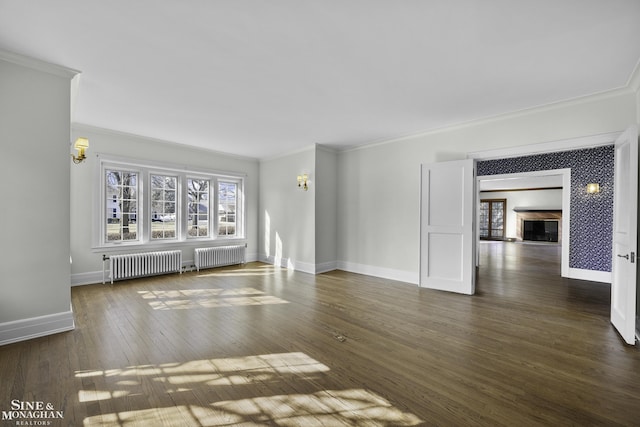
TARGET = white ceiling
x,y
261,78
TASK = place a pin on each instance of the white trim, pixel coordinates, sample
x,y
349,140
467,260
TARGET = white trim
x,y
251,257
493,119
25,329
290,264
411,277
77,127
590,275
37,64
579,143
160,167
327,149
634,79
289,153
326,267
303,267
88,278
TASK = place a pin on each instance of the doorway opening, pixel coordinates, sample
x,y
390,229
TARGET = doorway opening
x,y
537,209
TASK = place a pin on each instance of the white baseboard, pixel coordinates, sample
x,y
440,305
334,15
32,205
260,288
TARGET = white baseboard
x,y
303,267
326,267
369,270
384,273
25,329
89,278
590,275
290,264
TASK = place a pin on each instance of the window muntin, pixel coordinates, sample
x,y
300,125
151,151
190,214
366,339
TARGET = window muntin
x,y
163,212
121,191
148,197
227,203
198,197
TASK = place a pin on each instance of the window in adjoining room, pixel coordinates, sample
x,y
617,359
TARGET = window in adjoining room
x,y
492,213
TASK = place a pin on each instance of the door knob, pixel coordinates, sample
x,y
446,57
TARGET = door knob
x,y
624,256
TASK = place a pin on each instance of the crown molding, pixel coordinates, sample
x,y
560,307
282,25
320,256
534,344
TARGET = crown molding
x,y
80,127
37,64
578,143
634,79
311,147
612,93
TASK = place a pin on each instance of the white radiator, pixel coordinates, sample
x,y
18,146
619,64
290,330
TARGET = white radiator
x,y
219,256
144,264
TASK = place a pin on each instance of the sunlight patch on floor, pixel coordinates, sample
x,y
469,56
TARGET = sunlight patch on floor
x,y
267,270
210,372
200,378
324,408
184,299
327,407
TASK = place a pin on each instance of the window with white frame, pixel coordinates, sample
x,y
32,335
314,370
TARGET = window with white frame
x,y
146,204
227,202
163,206
198,190
121,190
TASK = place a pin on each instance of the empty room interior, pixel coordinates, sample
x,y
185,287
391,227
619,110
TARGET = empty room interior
x,y
319,213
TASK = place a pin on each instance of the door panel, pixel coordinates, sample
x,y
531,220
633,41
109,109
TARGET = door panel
x,y
447,241
625,246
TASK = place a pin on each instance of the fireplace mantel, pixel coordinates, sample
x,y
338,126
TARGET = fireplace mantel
x,y
537,210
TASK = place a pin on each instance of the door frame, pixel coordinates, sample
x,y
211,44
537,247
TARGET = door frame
x,y
565,271
579,143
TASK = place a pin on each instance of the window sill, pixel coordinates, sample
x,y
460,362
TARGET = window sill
x,y
174,244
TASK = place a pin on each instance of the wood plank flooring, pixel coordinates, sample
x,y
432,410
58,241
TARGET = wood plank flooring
x,y
260,346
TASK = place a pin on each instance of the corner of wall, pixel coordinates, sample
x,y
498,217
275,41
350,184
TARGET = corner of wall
x,y
634,85
35,327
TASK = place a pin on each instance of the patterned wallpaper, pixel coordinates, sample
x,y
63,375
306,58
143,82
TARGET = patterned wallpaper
x,y
591,220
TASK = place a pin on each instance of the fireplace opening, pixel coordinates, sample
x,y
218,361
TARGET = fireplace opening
x,y
540,231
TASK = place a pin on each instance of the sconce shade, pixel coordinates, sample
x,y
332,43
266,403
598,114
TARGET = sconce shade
x,y
80,145
593,188
302,181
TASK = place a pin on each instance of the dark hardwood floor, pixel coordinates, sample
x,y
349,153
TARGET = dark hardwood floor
x,y
256,345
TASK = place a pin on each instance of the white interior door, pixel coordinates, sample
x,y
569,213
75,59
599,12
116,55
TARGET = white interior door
x,y
625,245
447,241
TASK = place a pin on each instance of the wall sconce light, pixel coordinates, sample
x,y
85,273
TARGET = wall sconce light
x,y
80,145
593,188
302,181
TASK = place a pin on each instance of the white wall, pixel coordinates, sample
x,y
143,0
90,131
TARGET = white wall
x,y
326,187
87,261
378,202
551,199
35,296
638,106
287,218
